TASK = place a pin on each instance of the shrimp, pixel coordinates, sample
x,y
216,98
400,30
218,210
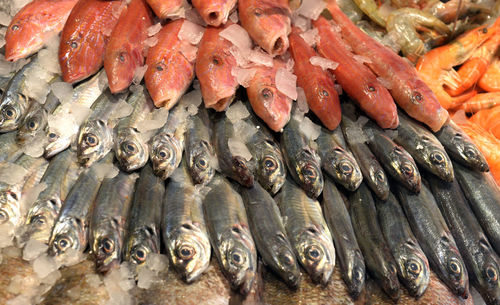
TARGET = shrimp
x,y
490,81
403,22
370,8
488,119
481,101
449,11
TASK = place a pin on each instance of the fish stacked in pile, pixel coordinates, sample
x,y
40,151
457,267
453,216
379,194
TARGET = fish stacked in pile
x,y
84,164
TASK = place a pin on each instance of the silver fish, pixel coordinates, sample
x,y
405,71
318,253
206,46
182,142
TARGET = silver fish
x,y
9,150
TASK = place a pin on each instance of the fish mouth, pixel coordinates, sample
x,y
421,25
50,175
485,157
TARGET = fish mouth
x,y
245,283
355,281
222,104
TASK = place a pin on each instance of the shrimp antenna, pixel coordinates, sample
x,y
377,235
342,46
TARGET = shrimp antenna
x,y
455,21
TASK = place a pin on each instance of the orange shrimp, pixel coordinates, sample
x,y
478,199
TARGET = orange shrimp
x,y
488,119
481,101
491,79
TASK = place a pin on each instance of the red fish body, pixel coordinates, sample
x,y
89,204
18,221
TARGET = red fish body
x,y
267,22
165,8
407,89
169,72
214,12
213,69
318,86
272,106
125,49
33,25
84,38
356,79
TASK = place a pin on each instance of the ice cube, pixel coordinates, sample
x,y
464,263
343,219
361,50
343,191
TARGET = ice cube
x,y
311,37
259,57
151,41
323,63
5,18
386,83
234,17
145,278
63,91
193,97
236,112
301,22
238,36
244,130
302,100
122,109
48,61
286,83
238,148
243,76
16,5
33,249
43,265
362,59
310,130
139,74
191,32
105,170
154,29
157,262
11,251
19,300
189,51
311,8
93,280
11,173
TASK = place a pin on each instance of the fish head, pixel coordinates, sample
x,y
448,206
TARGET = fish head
x,y
287,264
41,218
407,168
239,258
215,13
316,254
166,155
94,142
12,110
33,124
22,38
489,276
456,276
120,64
189,250
10,206
380,184
107,245
68,233
325,103
310,174
413,269
346,168
469,151
200,163
438,159
57,142
240,166
356,274
271,169
140,244
130,150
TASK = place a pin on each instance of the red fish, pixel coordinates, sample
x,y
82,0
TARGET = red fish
x,y
165,8
272,106
169,72
33,25
125,49
318,86
214,12
267,22
407,89
213,69
356,79
84,38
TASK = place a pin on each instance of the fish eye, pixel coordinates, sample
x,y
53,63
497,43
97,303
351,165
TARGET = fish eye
x,y
470,152
107,245
15,27
32,125
53,136
324,93
287,259
216,60
237,258
74,45
392,269
139,256
63,243
485,30
123,56
257,12
417,97
266,93
345,167
202,163
185,252
38,220
309,173
129,148
9,113
437,157
91,140
4,217
269,164
358,275
454,267
413,267
371,88
164,154
491,273
159,67
407,168
314,253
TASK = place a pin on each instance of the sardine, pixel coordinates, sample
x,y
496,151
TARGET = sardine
x,y
412,264
460,147
378,258
351,261
9,149
434,237
483,196
424,147
107,224
230,235
214,12
481,260
131,150
143,233
199,152
269,234
308,232
301,159
183,226
336,160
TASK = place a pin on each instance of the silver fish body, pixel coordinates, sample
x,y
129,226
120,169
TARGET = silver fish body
x,y
9,149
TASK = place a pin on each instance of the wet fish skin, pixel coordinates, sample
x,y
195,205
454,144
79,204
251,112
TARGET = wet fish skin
x,y
412,264
433,235
214,12
269,234
230,235
166,8
351,261
183,226
424,147
481,260
302,161
378,258
336,160
308,232
9,150
460,147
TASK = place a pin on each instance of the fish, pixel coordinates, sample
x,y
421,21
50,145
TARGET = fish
x,y
85,36
301,159
480,259
168,144
350,258
270,235
107,223
317,83
126,48
483,196
379,261
15,103
308,232
199,152
169,72
424,147
166,8
95,137
268,103
59,177
214,64
230,235
9,149
131,149
214,12
70,232
183,226
27,32
59,136
434,237
407,88
268,23
232,163
412,265
336,160
356,79
460,147
143,230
